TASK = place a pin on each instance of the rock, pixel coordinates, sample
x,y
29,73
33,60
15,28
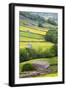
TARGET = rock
x,y
40,65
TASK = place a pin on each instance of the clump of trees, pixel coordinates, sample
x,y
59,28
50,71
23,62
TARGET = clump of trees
x,y
27,54
52,36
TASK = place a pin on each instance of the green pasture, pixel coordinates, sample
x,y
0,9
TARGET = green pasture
x,y
47,75
34,29
31,35
21,39
37,45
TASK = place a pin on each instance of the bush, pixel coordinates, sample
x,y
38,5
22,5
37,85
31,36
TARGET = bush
x,y
27,67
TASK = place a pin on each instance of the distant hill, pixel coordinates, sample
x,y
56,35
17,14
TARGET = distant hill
x,y
38,19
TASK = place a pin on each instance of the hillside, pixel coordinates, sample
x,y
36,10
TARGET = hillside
x,y
36,32
38,19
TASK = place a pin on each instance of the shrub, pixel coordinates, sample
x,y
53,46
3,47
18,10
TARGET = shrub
x,y
27,67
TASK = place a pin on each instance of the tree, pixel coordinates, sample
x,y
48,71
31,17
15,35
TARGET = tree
x,y
54,50
51,21
52,36
40,24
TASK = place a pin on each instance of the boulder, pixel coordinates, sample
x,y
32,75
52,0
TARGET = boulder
x,y
40,65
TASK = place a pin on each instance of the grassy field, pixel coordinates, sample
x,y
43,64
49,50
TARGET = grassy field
x,y
37,45
29,39
48,75
35,37
35,29
31,35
